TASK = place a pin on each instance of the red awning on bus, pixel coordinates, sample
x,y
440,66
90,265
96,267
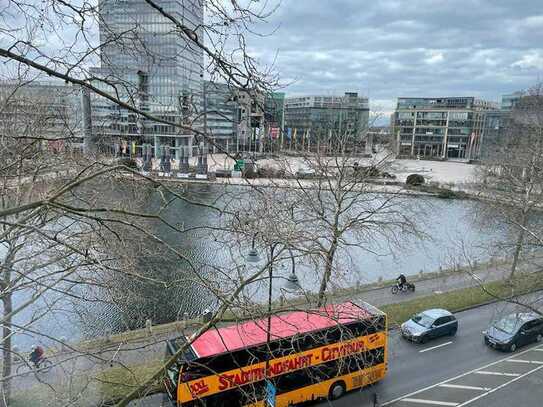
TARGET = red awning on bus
x,y
231,338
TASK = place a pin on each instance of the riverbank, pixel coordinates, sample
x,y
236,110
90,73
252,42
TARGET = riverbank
x,y
378,186
444,179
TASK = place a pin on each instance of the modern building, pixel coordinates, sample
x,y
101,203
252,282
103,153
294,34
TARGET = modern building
x,y
494,132
274,110
221,117
42,109
251,130
323,117
148,64
500,126
510,101
440,128
239,119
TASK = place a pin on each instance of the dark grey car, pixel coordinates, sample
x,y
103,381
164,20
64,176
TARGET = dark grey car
x,y
514,331
429,324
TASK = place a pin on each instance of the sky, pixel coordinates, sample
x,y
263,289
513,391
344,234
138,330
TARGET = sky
x,y
390,48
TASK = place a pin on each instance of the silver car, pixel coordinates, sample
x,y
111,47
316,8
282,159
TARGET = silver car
x,y
429,324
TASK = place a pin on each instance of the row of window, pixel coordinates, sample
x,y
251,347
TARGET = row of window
x,y
254,392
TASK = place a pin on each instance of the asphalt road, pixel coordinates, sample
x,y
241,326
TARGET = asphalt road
x,y
413,367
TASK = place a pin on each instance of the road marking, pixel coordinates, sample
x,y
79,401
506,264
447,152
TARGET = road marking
x,y
432,402
435,347
534,362
538,349
485,372
461,386
460,376
501,386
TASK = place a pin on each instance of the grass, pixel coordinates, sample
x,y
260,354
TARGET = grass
x,y
465,298
116,382
102,388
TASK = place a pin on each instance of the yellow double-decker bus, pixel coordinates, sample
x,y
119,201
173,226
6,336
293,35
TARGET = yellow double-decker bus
x,y
316,354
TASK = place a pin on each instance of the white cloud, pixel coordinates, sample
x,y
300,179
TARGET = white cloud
x,y
532,60
435,57
533,22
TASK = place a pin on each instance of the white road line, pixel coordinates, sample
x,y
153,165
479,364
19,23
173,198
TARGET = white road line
x,y
500,387
539,349
431,402
456,377
461,386
497,373
435,347
534,362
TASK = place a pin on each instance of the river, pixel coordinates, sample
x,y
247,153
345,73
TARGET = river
x,y
449,226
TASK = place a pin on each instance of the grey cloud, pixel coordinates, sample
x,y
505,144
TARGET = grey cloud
x,y
397,48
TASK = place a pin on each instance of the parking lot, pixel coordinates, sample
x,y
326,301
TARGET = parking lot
x,y
474,385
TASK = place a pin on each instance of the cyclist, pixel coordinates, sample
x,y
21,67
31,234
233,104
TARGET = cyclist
x,y
36,355
402,280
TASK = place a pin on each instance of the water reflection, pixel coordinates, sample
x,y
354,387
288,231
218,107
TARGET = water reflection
x,y
175,283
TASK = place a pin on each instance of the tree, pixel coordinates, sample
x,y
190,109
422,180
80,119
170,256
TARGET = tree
x,y
339,209
59,40
510,180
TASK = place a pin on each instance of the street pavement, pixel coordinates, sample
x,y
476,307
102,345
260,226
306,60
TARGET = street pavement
x,y
454,371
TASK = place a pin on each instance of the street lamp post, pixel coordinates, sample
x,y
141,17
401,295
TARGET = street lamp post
x,y
291,284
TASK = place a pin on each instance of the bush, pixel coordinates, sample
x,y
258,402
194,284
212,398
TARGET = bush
x,y
446,194
270,172
414,180
128,162
250,171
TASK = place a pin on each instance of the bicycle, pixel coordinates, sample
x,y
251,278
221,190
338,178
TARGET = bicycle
x,y
43,366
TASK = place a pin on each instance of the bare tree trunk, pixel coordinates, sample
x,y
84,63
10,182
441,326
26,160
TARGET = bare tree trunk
x,y
6,351
518,249
328,267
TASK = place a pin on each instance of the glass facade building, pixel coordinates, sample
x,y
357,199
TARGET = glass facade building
x,y
221,115
47,109
440,128
274,110
510,101
326,116
148,63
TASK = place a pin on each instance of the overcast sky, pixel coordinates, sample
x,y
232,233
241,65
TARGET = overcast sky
x,y
391,48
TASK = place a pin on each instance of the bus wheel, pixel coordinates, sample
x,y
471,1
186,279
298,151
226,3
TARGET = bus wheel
x,y
336,390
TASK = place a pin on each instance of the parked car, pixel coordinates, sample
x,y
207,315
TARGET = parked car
x,y
429,324
306,173
514,331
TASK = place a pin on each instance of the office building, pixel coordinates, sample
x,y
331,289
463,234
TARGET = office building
x,y
323,117
274,110
42,109
150,65
250,130
494,133
221,117
502,127
440,128
510,101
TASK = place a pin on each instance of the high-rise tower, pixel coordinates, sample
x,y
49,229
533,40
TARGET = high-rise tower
x,y
153,66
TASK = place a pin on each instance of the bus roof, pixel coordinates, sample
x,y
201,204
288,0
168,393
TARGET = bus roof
x,y
252,333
